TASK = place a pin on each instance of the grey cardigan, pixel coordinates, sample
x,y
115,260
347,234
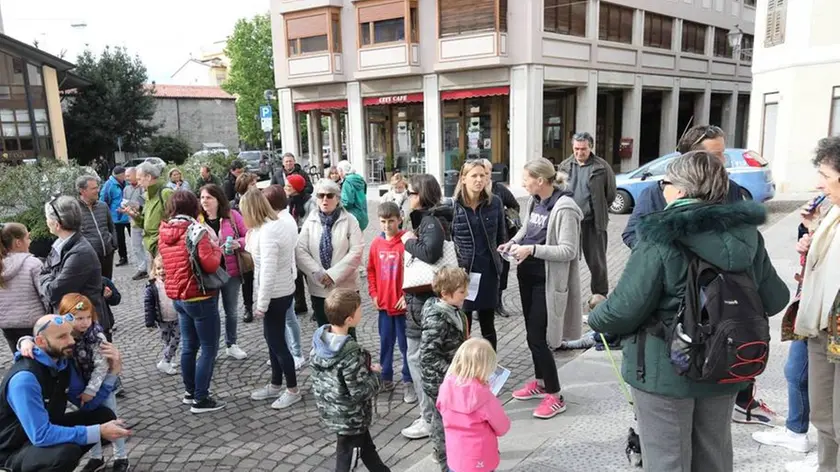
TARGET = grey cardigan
x,y
561,253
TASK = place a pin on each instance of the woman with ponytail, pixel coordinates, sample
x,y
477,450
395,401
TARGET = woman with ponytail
x,y
20,300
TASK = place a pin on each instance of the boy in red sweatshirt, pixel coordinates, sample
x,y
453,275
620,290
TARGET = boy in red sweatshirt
x,y
385,278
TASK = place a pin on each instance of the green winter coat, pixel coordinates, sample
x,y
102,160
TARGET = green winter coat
x,y
653,281
153,213
342,382
354,198
443,330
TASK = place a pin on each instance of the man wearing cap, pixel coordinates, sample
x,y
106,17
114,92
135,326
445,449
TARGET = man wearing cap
x,y
112,194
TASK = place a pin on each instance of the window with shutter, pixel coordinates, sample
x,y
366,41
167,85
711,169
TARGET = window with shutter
x,y
313,32
774,32
694,37
565,17
385,21
615,23
467,16
658,31
722,47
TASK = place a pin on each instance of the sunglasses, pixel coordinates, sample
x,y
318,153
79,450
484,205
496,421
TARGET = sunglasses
x,y
328,196
58,320
55,210
711,132
664,183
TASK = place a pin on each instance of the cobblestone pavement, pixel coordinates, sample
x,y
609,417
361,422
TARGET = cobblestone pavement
x,y
249,435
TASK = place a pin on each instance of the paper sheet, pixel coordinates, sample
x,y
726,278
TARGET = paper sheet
x,y
497,379
472,290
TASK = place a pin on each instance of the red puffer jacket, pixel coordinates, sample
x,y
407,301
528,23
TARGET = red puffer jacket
x,y
180,282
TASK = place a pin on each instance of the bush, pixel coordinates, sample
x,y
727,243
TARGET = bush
x,y
169,148
218,163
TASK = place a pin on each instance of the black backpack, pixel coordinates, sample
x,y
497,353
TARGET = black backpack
x,y
721,333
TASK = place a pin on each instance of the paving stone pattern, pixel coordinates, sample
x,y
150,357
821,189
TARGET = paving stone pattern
x,y
249,435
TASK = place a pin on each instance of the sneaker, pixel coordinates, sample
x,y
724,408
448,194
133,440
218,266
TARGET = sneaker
x,y
140,275
531,390
286,400
268,362
387,386
166,367
550,406
760,413
266,393
783,437
418,430
409,395
235,352
94,465
809,464
299,362
207,405
188,399
121,465
434,457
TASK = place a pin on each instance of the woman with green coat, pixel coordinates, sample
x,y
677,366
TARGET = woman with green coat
x,y
683,424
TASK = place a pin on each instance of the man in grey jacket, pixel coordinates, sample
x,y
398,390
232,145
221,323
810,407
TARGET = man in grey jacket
x,y
97,226
133,197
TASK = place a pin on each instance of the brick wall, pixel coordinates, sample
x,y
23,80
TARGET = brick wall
x,y
199,120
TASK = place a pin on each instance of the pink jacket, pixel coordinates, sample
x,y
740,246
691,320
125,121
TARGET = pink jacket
x,y
225,228
473,419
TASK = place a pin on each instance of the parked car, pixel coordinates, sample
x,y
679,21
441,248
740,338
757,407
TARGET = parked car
x,y
257,162
158,162
746,168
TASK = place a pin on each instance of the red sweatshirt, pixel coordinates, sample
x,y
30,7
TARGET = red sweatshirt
x,y
385,272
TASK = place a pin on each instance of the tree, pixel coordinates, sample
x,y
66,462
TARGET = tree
x,y
117,105
250,74
169,148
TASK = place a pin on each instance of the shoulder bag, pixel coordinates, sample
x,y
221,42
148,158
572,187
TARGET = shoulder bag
x,y
243,257
418,275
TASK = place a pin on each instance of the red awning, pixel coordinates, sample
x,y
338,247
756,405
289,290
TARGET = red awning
x,y
326,105
393,99
483,92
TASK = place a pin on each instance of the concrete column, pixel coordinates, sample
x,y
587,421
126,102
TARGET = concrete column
x,y
311,129
586,117
730,117
592,18
702,106
668,131
316,133
356,146
631,122
432,126
335,137
288,123
526,112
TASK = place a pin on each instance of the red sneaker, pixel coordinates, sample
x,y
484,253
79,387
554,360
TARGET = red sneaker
x,y
531,390
551,406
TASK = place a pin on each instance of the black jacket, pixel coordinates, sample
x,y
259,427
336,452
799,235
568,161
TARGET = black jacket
x,y
652,200
75,270
279,178
492,217
230,187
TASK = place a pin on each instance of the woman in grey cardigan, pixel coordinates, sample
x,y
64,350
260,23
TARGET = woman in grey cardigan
x,y
547,249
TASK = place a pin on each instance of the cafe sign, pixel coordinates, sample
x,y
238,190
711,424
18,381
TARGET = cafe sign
x,y
394,99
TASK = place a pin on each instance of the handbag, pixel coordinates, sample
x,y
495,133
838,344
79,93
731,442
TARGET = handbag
x,y
207,281
243,257
512,222
418,275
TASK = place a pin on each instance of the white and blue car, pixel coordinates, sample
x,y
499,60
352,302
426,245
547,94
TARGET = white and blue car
x,y
747,168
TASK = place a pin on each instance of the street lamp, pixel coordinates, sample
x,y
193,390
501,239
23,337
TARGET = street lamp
x,y
735,35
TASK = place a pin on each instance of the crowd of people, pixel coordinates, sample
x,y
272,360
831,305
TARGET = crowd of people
x,y
437,265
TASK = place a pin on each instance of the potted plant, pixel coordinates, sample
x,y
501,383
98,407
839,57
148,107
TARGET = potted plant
x,y
389,166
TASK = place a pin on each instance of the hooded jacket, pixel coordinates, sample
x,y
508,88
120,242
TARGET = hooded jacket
x,y
651,287
385,272
181,283
112,194
473,419
444,329
153,212
342,381
20,301
354,198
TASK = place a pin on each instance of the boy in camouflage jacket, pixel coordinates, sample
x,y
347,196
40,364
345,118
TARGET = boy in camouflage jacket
x,y
344,382
444,328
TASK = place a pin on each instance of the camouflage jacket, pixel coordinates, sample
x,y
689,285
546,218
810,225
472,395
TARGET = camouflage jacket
x,y
343,384
444,329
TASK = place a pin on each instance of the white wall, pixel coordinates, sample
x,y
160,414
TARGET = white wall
x,y
192,73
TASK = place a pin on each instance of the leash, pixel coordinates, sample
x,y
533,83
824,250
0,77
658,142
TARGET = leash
x,y
622,385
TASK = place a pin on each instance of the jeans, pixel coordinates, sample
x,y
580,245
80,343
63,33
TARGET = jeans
x,y
293,331
796,374
199,323
119,444
230,302
138,252
344,446
532,293
427,406
274,331
392,330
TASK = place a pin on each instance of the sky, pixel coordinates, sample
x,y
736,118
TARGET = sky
x,y
162,32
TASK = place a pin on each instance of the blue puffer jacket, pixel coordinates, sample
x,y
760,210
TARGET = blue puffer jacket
x,y
492,230
112,194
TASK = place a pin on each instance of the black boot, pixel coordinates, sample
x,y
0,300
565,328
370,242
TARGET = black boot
x,y
248,316
500,309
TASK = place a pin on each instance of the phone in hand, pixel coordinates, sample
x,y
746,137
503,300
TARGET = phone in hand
x,y
815,204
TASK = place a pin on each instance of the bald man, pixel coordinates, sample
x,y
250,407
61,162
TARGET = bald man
x,y
35,432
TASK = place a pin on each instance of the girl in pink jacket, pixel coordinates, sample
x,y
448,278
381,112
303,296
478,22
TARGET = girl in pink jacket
x,y
473,418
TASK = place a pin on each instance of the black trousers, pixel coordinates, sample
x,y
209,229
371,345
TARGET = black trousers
x,y
344,446
300,293
274,331
594,245
248,289
503,277
321,315
487,322
13,334
532,293
122,230
107,263
61,457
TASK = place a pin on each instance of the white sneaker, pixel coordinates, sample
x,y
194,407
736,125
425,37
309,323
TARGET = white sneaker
x,y
267,392
299,362
166,367
286,400
785,438
268,362
809,464
235,352
409,394
418,430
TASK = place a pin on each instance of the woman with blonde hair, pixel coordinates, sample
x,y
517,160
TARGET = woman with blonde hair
x,y
547,249
398,194
511,213
271,241
176,180
478,227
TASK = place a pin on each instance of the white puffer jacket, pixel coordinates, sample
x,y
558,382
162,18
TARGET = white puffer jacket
x,y
272,246
20,300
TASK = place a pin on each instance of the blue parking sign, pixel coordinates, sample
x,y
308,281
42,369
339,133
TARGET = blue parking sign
x,y
265,111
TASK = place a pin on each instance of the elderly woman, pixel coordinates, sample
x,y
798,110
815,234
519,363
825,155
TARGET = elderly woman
x,y
547,249
329,248
72,265
271,240
684,424
819,309
176,180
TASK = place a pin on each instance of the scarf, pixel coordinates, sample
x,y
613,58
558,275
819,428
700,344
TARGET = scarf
x,y
325,249
818,308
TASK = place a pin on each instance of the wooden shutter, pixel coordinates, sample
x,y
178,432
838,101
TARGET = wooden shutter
x,y
381,11
464,16
307,26
779,23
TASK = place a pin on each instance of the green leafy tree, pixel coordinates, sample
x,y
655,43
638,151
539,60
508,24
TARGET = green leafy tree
x,y
117,104
250,74
170,148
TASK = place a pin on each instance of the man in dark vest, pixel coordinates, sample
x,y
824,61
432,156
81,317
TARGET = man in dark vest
x,y
36,435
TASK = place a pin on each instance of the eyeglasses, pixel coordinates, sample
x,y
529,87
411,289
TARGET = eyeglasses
x,y
55,210
711,132
664,183
328,196
411,193
58,320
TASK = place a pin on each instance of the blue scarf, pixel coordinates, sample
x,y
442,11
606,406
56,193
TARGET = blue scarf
x,y
326,248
